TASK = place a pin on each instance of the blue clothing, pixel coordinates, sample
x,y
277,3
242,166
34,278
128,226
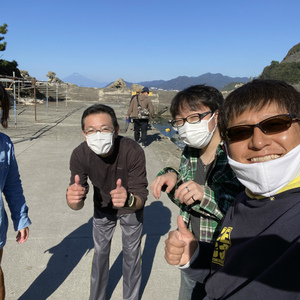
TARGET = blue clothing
x,y
11,188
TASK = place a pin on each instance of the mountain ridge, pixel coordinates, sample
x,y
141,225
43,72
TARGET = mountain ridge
x,y
179,83
80,80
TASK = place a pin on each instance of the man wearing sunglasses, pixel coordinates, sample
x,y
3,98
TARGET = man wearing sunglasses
x,y
256,255
204,186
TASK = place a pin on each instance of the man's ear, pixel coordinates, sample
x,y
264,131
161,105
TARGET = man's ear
x,y
83,135
117,131
225,147
217,115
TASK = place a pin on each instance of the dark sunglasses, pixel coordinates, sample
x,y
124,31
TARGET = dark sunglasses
x,y
271,125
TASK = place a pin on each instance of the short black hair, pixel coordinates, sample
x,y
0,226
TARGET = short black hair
x,y
255,95
5,104
195,97
98,109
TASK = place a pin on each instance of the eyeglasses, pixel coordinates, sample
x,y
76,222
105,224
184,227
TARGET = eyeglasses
x,y
271,125
192,119
103,129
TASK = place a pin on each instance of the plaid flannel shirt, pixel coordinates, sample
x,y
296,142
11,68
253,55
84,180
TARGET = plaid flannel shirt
x,y
220,190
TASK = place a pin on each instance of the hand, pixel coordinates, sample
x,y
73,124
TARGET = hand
x,y
119,195
168,179
180,245
189,192
75,194
22,235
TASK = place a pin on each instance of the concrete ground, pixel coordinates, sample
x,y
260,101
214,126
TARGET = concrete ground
x,y
55,262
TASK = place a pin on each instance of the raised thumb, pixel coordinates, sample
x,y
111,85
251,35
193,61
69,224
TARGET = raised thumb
x,y
182,227
119,183
77,179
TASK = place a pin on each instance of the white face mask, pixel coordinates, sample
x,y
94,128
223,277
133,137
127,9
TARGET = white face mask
x,y
196,135
267,178
100,142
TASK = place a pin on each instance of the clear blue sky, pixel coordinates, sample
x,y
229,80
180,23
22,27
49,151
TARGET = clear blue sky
x,y
148,40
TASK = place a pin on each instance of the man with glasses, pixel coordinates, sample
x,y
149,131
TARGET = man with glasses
x,y
116,167
204,186
256,256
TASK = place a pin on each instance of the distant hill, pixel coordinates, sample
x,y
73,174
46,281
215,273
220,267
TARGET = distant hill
x,y
287,70
217,80
293,55
153,83
80,80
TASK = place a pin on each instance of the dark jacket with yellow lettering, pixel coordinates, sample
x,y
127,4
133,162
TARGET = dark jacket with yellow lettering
x,y
257,253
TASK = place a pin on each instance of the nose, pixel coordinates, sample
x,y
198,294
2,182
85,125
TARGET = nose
x,y
259,139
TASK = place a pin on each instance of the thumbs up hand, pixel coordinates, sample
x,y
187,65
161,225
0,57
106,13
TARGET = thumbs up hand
x,y
119,194
75,194
180,245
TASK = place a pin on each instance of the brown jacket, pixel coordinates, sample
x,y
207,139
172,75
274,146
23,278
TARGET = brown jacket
x,y
144,101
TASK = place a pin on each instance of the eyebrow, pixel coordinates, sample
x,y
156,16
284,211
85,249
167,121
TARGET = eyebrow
x,y
101,126
244,121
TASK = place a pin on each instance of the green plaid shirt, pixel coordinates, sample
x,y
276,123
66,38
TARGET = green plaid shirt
x,y
220,190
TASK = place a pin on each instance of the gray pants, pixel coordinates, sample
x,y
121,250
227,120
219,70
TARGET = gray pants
x,y
190,289
103,230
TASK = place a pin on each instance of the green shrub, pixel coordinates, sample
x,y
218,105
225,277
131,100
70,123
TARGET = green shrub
x,y
288,72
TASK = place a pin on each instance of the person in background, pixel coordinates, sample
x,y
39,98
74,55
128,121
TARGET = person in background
x,y
256,256
116,167
137,93
128,120
140,122
10,188
204,186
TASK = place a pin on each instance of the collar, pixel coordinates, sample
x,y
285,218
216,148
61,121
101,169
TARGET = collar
x,y
292,185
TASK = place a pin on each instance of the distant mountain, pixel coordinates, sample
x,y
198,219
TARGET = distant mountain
x,y
217,80
154,83
80,80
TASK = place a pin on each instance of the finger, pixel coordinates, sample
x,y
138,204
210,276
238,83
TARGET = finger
x,y
174,248
22,235
171,258
119,183
169,189
77,180
155,188
152,188
18,237
182,227
181,190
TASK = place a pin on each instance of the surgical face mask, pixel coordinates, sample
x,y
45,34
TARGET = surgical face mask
x,y
196,135
267,178
100,142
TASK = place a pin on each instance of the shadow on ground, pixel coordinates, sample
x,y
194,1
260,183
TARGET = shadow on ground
x,y
157,220
66,256
68,253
